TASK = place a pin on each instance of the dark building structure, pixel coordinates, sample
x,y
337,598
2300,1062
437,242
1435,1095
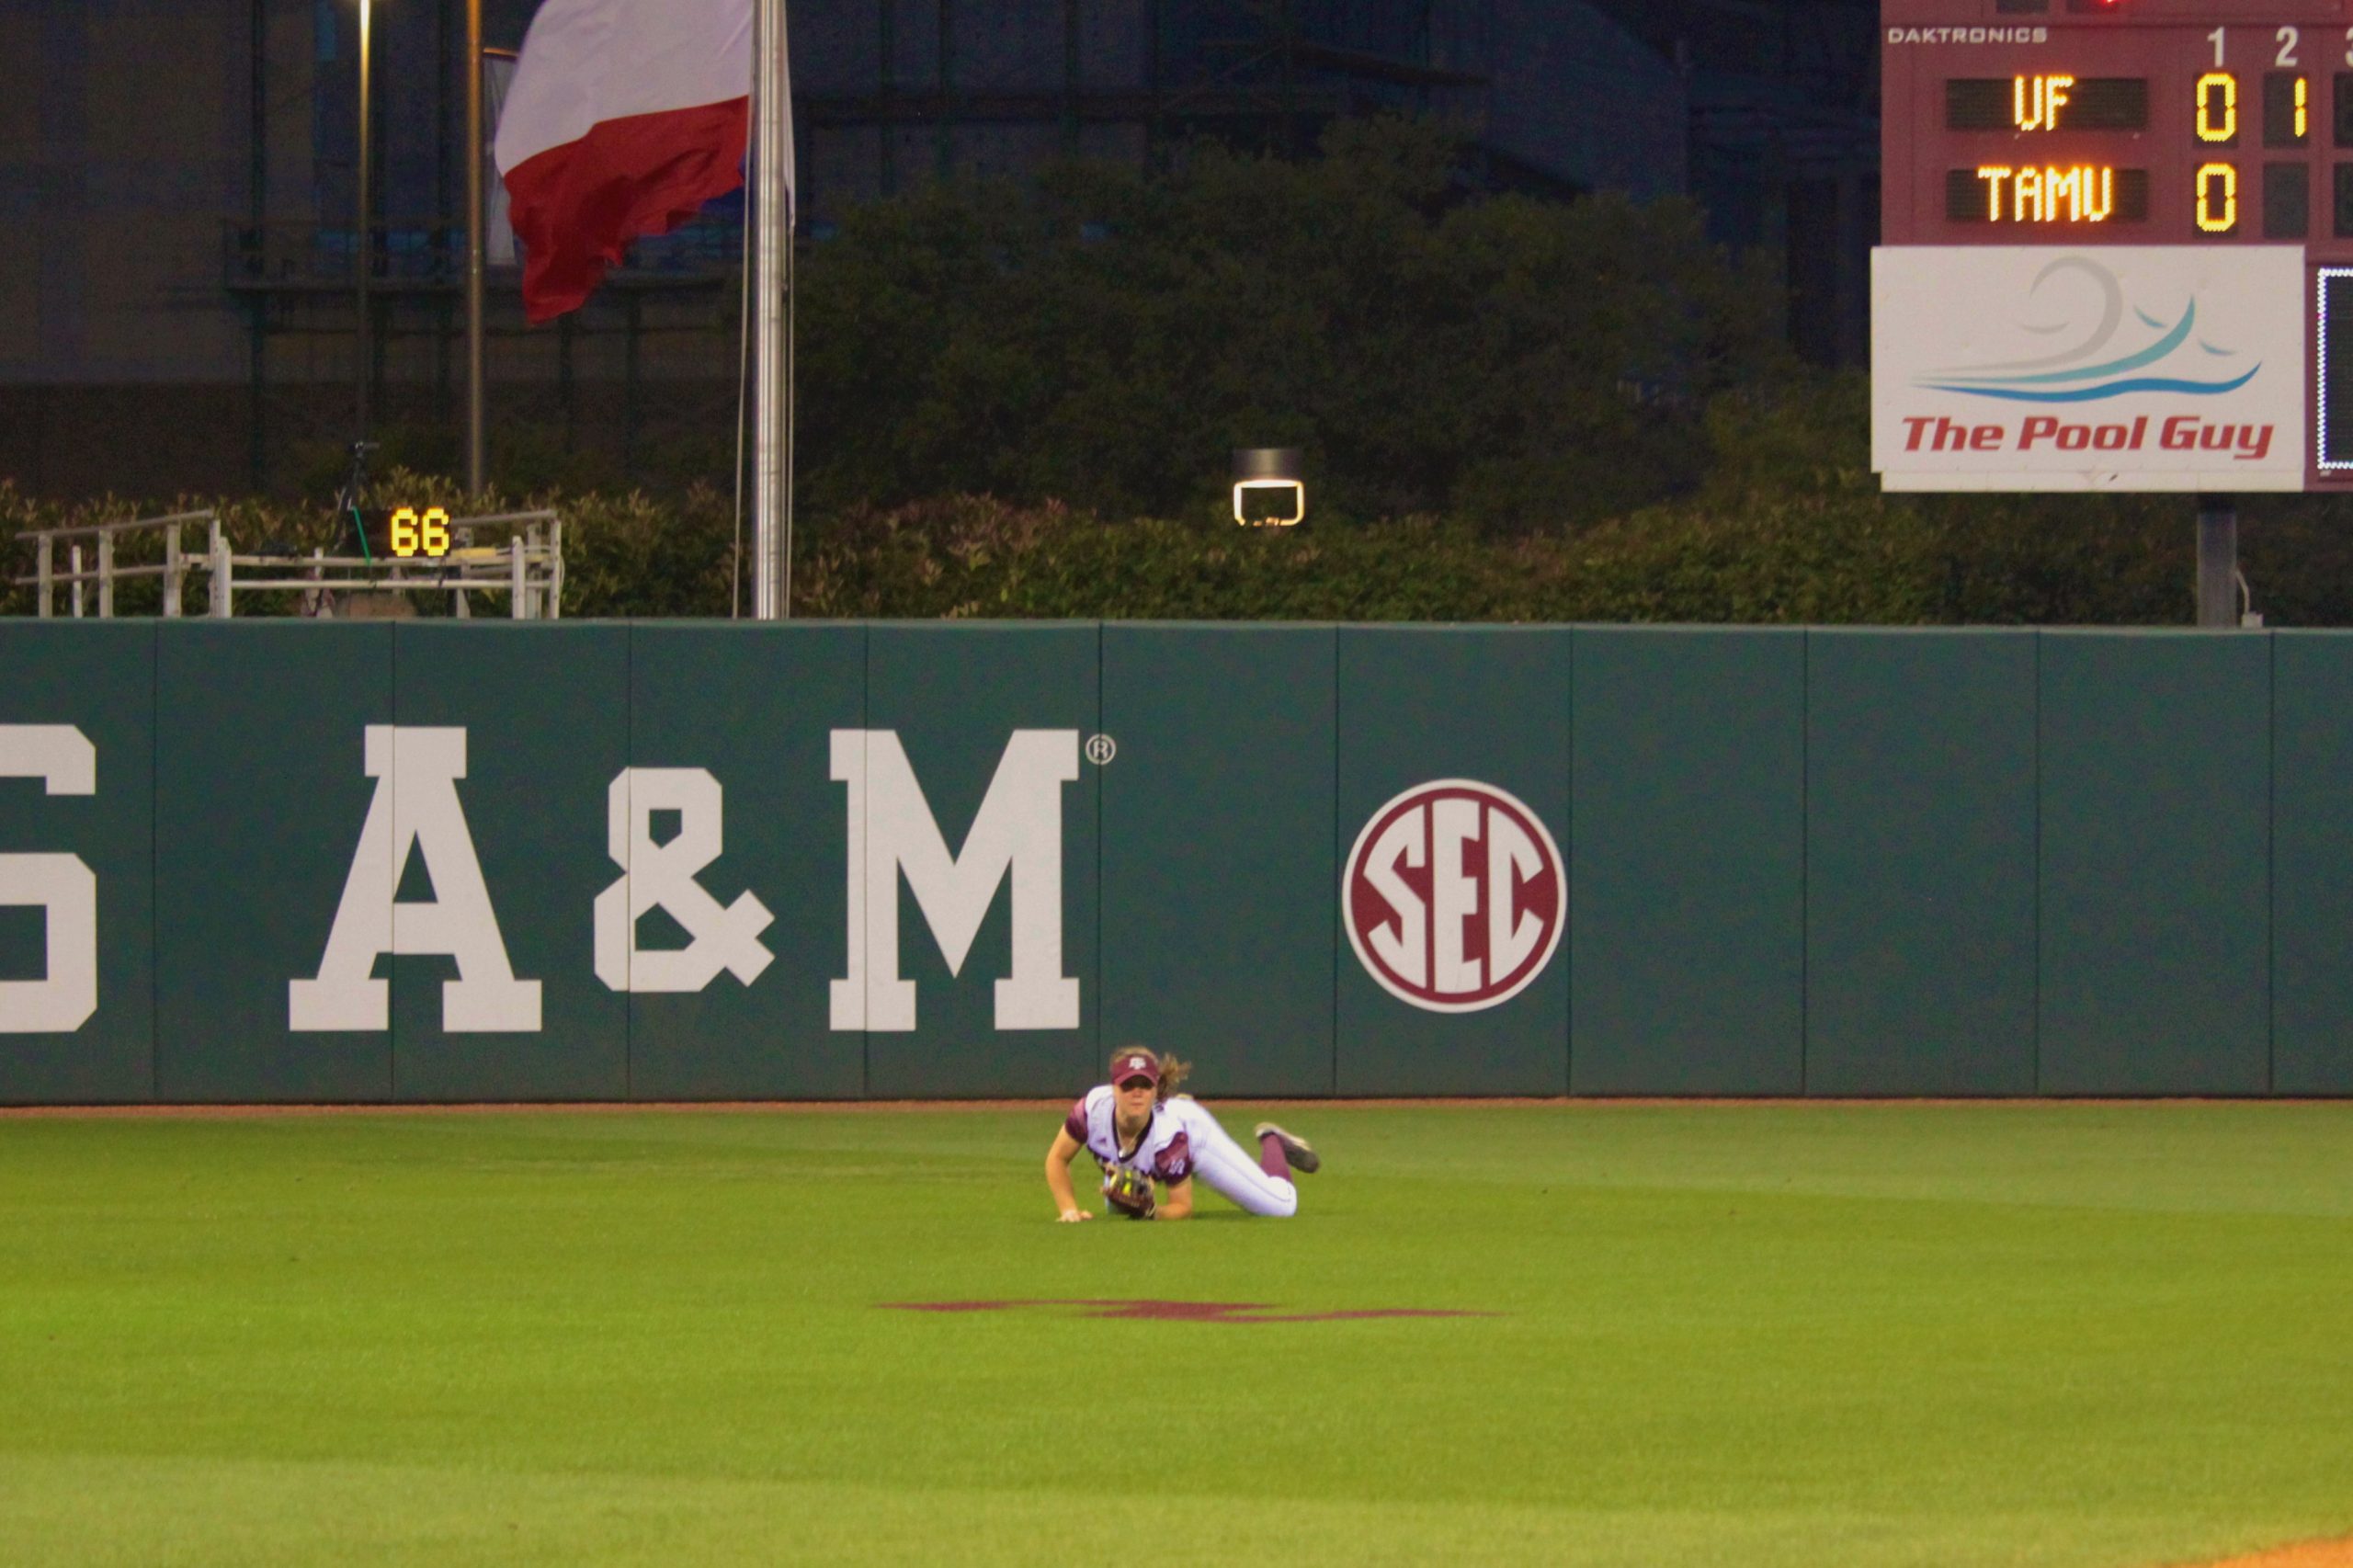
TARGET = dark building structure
x,y
178,309
1783,97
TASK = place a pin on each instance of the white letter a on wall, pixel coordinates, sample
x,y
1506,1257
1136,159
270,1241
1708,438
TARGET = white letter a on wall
x,y
417,773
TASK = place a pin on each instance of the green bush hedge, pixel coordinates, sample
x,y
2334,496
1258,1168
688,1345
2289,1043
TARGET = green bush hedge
x,y
1789,527
1829,560
1822,559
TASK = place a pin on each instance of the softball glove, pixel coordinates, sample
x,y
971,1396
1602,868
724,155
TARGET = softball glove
x,y
1128,1191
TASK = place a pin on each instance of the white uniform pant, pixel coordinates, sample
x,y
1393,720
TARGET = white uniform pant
x,y
1231,1172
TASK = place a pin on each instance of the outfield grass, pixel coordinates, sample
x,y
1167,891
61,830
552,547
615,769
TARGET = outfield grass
x,y
1751,1335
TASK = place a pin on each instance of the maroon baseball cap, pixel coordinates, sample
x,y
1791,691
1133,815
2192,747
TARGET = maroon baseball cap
x,y
1135,1064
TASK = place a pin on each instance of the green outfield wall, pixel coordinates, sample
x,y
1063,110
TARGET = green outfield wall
x,y
295,862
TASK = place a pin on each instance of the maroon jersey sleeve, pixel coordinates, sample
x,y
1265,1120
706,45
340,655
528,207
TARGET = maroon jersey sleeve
x,y
1076,1122
1175,1163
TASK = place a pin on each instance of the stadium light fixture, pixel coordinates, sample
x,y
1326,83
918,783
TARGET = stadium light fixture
x,y
1263,475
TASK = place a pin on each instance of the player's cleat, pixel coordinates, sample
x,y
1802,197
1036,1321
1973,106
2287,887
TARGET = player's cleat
x,y
1297,1150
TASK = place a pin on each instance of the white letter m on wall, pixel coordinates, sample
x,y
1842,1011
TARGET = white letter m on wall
x,y
1017,834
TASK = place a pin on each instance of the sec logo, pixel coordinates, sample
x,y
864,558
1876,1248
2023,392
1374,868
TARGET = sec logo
x,y
1454,897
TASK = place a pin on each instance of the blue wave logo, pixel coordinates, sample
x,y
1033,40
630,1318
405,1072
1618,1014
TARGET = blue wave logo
x,y
2092,370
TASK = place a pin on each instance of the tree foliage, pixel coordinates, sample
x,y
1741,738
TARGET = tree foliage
x,y
1018,402
1104,339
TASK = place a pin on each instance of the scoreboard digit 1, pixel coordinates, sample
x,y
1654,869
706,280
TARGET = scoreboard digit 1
x,y
2119,246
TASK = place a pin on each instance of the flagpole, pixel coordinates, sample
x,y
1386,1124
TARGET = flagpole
x,y
477,149
771,367
791,385
363,251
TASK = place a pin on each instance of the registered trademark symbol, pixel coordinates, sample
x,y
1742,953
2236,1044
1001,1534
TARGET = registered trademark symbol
x,y
1101,749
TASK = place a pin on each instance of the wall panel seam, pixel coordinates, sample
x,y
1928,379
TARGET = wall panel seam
x,y
2036,1025
1102,785
864,727
1805,865
1332,949
629,762
155,855
393,641
1568,860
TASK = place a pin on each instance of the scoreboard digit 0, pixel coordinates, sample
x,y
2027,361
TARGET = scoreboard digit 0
x,y
2077,126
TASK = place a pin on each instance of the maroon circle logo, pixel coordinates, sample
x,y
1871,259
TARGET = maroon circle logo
x,y
1455,896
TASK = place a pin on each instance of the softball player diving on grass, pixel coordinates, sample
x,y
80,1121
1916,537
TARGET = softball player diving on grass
x,y
1141,1132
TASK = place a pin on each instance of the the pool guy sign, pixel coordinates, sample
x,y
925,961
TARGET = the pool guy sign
x,y
2111,368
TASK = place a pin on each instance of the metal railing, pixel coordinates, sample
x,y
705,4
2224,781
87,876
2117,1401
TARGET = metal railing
x,y
101,569
526,564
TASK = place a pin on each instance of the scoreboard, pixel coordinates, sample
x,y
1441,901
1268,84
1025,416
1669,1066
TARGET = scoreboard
x,y
2117,245
2119,122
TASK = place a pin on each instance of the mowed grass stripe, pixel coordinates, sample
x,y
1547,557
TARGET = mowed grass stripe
x,y
228,1514
1800,1334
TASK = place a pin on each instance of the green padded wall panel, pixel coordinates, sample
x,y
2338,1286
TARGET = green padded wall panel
x,y
2155,936
2312,898
1920,863
1220,875
1687,903
262,790
955,697
1419,705
755,707
545,710
98,677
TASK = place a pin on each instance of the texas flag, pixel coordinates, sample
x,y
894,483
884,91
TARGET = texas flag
x,y
624,117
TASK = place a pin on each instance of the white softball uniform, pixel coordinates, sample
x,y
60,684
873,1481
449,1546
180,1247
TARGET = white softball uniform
x,y
1163,1153
1231,1172
1184,1140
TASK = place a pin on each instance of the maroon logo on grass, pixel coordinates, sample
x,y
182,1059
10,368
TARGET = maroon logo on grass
x,y
1455,896
1181,1312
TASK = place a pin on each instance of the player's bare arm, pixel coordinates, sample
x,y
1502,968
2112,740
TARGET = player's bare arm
x,y
1058,1159
1178,1204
